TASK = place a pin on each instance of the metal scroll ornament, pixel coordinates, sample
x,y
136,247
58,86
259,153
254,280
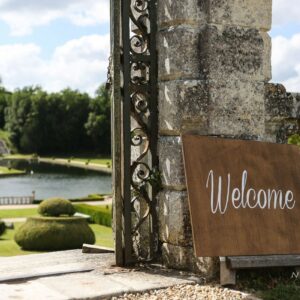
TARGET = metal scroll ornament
x,y
143,116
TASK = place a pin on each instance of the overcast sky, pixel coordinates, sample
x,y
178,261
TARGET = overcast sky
x,y
60,43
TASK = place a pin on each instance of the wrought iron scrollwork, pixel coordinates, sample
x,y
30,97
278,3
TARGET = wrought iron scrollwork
x,y
140,91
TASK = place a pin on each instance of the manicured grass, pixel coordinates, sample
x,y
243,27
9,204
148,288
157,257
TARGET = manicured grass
x,y
98,161
18,156
104,235
9,172
91,159
18,213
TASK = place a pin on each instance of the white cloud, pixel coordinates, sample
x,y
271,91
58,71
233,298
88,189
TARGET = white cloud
x,y
80,64
23,16
285,11
286,61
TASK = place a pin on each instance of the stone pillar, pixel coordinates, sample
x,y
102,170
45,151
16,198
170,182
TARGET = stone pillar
x,y
214,61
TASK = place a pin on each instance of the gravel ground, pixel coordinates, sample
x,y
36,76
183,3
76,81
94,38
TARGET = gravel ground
x,y
189,292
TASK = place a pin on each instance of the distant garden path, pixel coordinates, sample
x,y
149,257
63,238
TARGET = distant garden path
x,y
106,201
77,164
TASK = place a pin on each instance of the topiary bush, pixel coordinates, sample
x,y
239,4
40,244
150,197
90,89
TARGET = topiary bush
x,y
2,227
55,207
50,233
99,214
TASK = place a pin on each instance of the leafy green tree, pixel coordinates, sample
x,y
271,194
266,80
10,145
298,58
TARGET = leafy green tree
x,y
4,99
19,114
58,123
98,126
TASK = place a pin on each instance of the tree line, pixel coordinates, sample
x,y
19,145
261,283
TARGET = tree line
x,y
67,122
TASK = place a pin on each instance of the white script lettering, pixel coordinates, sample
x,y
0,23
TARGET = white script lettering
x,y
244,197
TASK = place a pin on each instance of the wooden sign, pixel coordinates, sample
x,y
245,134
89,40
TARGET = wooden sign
x,y
244,196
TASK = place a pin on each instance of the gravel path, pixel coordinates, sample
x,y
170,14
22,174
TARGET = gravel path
x,y
189,292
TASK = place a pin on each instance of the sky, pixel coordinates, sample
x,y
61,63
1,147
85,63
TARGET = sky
x,y
65,43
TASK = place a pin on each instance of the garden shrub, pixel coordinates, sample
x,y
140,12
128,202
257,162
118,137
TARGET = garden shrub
x,y
55,207
294,139
51,233
2,227
99,214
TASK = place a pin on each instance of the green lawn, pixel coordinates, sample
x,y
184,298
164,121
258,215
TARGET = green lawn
x,y
18,156
91,159
104,235
6,171
98,161
18,213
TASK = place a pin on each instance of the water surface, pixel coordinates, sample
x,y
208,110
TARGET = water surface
x,y
49,180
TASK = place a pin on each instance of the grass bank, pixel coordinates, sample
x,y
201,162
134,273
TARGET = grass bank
x,y
85,159
18,213
10,172
91,163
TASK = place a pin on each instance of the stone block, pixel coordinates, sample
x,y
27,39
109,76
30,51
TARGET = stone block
x,y
236,108
296,97
246,13
174,218
271,130
235,53
214,52
189,12
279,103
171,162
287,128
183,258
249,13
279,130
178,54
224,123
183,105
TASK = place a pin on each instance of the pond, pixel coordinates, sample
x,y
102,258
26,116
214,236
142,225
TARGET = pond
x,y
49,180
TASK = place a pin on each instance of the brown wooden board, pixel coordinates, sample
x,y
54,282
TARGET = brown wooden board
x,y
260,182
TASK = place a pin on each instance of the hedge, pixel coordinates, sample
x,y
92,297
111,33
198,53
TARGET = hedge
x,y
99,214
2,227
55,207
53,233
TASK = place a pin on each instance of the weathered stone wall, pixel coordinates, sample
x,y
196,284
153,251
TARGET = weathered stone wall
x,y
214,62
282,113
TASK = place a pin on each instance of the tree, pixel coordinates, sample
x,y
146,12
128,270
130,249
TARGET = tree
x,y
67,122
4,99
98,126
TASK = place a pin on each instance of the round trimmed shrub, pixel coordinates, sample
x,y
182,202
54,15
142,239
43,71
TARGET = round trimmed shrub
x,y
2,227
55,207
50,233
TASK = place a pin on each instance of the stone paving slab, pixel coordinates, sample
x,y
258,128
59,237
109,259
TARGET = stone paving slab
x,y
99,280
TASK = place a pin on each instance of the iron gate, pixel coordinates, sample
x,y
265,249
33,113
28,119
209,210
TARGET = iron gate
x,y
134,111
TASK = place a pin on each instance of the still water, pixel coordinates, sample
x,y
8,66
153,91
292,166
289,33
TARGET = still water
x,y
49,180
